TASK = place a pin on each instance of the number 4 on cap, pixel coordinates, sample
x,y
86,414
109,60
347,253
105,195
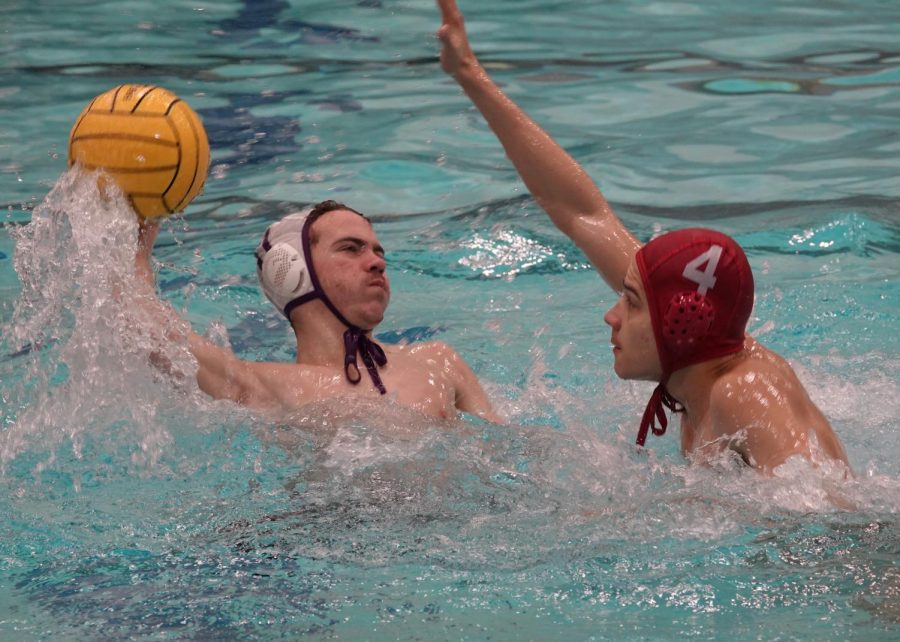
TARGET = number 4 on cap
x,y
704,279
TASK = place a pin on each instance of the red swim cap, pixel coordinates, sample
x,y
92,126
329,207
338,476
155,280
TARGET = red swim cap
x,y
700,291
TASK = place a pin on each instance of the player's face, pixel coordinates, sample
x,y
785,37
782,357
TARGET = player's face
x,y
350,265
633,342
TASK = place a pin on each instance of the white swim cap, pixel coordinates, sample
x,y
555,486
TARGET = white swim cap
x,y
281,263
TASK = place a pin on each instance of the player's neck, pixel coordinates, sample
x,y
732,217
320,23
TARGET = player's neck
x,y
691,385
319,335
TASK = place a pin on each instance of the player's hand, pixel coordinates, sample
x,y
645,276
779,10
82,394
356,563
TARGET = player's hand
x,y
456,54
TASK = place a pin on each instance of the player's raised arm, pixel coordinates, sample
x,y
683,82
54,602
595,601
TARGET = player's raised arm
x,y
221,374
558,183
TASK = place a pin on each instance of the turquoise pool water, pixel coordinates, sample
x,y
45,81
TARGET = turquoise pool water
x,y
134,508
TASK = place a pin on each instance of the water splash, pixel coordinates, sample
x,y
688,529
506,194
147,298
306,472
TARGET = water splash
x,y
76,369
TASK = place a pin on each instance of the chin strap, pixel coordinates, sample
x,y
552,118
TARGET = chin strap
x,y
355,341
654,411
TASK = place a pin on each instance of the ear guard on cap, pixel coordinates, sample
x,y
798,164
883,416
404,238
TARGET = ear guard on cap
x,y
687,321
281,263
285,274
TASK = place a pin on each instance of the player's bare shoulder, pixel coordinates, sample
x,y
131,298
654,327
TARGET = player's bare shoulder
x,y
437,360
761,355
446,366
764,366
756,380
432,355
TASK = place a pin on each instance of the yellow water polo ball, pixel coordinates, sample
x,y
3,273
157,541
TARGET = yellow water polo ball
x,y
149,141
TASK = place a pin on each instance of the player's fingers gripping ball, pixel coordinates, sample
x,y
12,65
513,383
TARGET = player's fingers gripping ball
x,y
149,141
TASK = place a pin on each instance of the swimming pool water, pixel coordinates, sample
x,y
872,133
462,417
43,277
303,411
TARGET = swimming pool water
x,y
135,508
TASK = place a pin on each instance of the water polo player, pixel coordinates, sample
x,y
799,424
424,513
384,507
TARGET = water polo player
x,y
686,297
325,270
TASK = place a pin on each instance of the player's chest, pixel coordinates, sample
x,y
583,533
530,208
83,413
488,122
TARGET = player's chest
x,y
406,381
